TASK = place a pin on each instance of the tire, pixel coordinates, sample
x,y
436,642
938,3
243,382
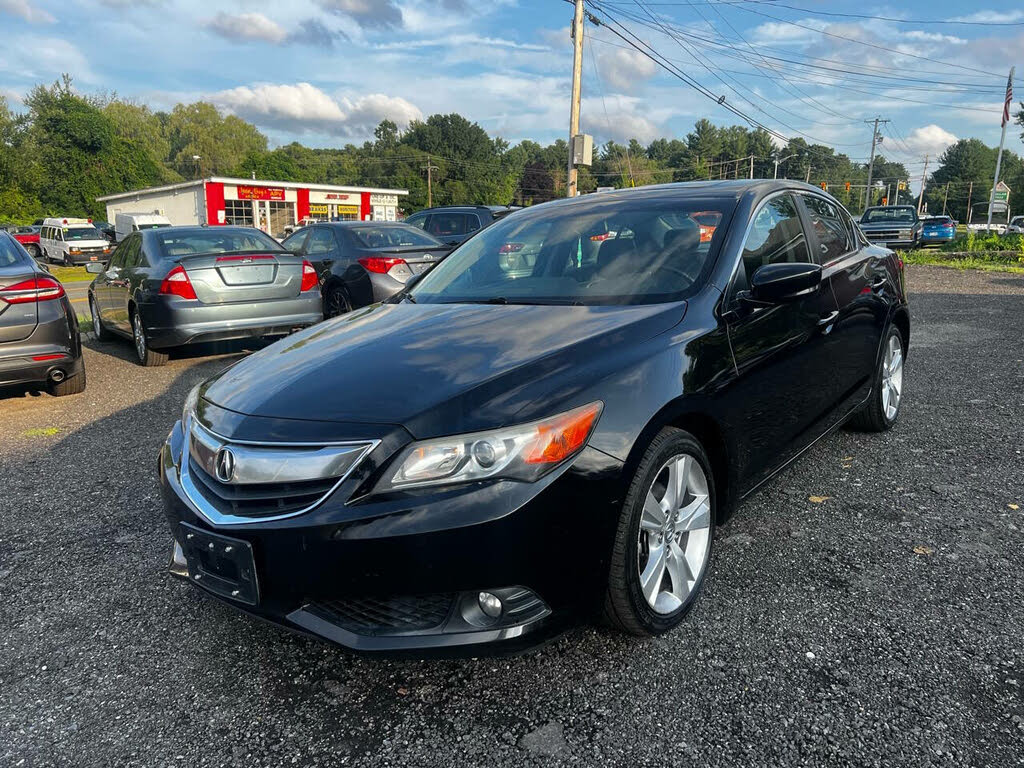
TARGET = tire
x,y
146,356
878,413
98,330
336,302
628,607
72,386
67,260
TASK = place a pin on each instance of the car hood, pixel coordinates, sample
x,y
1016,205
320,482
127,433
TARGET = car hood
x,y
435,368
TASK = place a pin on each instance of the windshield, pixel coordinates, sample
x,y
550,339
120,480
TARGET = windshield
x,y
611,252
902,215
394,236
82,233
177,244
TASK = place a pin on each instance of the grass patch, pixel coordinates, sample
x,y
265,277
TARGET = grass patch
x,y
71,274
979,242
41,432
979,260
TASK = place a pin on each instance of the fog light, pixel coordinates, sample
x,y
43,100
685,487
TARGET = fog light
x,y
489,604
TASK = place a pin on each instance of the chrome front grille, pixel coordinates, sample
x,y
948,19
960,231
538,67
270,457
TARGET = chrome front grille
x,y
233,481
888,234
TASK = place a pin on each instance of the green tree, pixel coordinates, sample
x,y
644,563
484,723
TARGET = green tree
x,y
221,143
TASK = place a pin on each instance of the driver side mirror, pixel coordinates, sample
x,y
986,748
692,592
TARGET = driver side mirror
x,y
781,283
95,268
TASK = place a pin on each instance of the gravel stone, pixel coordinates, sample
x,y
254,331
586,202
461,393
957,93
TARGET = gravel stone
x,y
918,660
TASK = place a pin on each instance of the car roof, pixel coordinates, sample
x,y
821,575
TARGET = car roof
x,y
350,224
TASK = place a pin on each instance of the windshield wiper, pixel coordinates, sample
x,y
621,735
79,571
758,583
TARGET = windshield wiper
x,y
491,300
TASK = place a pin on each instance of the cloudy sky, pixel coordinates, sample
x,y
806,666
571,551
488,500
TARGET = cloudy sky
x,y
326,72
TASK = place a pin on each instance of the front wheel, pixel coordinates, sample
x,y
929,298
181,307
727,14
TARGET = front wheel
x,y
882,409
663,541
147,356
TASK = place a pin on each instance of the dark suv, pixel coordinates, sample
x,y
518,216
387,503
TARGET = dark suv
x,y
454,223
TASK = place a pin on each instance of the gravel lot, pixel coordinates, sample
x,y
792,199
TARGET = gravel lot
x,y
882,625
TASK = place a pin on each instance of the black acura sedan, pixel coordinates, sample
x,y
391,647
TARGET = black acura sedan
x,y
498,452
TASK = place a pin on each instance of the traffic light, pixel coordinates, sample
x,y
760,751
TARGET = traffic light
x,y
885,201
824,186
901,186
847,185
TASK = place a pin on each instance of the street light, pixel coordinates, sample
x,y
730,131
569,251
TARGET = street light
x,y
199,168
781,160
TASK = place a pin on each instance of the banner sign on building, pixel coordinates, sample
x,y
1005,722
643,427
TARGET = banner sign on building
x,y
260,193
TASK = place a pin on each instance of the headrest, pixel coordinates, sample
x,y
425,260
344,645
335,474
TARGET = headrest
x,y
611,250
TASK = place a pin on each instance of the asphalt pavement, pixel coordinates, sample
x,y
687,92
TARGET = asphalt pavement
x,y
865,609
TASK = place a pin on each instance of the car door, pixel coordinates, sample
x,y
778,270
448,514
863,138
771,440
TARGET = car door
x,y
322,250
111,289
782,351
859,282
132,272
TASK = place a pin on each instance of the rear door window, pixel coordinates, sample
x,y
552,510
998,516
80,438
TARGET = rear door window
x,y
829,228
297,241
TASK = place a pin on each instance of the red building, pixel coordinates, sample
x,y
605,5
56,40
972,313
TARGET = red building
x,y
271,206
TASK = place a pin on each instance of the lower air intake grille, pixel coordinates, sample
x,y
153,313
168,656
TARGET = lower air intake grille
x,y
370,616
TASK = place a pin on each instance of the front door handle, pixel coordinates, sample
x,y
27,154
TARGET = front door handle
x,y
827,320
878,283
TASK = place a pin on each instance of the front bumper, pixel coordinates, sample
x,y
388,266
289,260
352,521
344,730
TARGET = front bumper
x,y
415,563
171,322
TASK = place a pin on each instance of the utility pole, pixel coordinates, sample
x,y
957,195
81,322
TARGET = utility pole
x,y
875,138
751,166
808,179
888,195
970,190
574,107
999,157
945,197
430,168
896,199
924,175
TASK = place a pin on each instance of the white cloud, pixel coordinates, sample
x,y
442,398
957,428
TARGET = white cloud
x,y
931,139
246,26
934,37
623,70
992,17
24,10
304,108
50,57
366,13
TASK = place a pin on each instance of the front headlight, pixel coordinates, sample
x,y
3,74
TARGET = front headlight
x,y
525,452
191,401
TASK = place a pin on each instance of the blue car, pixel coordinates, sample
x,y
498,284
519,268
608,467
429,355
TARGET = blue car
x,y
938,229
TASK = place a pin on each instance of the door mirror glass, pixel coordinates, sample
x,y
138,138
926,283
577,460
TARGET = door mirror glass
x,y
779,283
95,268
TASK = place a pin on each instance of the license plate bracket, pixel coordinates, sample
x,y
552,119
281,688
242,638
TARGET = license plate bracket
x,y
221,564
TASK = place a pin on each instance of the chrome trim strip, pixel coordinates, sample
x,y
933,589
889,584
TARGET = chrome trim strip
x,y
214,517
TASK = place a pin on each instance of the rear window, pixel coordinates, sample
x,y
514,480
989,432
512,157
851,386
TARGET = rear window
x,y
11,252
176,244
392,237
940,220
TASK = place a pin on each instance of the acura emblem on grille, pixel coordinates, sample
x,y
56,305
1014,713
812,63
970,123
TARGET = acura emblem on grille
x,y
225,465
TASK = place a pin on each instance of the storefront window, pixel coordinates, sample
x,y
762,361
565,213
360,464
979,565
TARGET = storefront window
x,y
281,215
238,212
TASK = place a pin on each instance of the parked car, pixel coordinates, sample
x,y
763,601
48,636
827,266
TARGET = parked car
x,y
39,337
894,226
29,239
306,222
1015,226
126,223
937,229
73,242
168,287
487,457
454,223
361,262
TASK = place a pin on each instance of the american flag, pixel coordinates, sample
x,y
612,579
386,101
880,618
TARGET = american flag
x,y
1009,98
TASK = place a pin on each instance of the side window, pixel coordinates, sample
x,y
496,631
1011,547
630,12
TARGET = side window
x,y
418,220
117,258
833,236
58,234
447,224
297,241
133,255
776,236
321,242
472,222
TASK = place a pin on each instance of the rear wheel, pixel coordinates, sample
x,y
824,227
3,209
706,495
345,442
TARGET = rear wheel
x,y
147,357
336,302
663,542
101,333
882,409
73,386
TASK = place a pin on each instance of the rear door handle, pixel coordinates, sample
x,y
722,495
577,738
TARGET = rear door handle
x,y
827,320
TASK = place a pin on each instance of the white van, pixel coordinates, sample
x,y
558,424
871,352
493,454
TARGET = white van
x,y
73,241
126,223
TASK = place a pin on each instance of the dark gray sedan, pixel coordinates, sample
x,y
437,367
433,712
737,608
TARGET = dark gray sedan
x,y
39,338
173,286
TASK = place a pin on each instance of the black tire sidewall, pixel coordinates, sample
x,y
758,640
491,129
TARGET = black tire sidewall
x,y
344,304
677,442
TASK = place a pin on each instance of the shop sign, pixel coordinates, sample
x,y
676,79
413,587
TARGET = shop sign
x,y
383,199
318,208
260,193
